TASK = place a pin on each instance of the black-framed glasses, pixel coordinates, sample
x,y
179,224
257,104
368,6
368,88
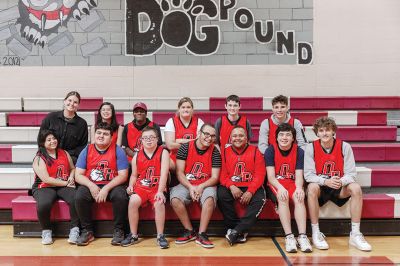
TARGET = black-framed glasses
x,y
151,138
208,135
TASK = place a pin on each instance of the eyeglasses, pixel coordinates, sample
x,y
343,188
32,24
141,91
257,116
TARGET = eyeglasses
x,y
208,135
151,138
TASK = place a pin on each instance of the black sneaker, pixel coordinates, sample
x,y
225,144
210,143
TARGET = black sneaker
x,y
118,236
129,240
186,237
242,238
85,238
202,239
232,236
162,242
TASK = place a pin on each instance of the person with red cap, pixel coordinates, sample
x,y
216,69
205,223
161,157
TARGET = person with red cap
x,y
131,141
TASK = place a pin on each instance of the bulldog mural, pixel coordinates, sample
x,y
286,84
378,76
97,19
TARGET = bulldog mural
x,y
40,18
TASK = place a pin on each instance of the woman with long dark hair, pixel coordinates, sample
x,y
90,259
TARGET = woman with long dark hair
x,y
106,113
54,179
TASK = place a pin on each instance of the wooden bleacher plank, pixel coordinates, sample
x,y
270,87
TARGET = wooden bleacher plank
x,y
18,134
10,104
16,178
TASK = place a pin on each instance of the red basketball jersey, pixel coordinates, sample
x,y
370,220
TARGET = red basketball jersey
x,y
182,132
149,169
198,167
133,137
101,168
226,129
329,164
273,128
285,166
58,170
240,167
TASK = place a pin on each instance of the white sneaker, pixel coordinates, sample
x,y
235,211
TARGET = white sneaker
x,y
358,241
304,244
290,244
46,237
73,235
319,241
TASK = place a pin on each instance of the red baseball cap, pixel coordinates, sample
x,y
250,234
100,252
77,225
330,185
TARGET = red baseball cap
x,y
140,105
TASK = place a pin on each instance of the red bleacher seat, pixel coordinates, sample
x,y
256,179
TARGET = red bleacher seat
x,y
344,103
7,195
5,153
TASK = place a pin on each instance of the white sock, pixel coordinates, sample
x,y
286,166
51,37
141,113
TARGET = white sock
x,y
315,228
355,228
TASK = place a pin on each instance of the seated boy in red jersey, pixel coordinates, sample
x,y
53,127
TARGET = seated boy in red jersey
x,y
131,141
280,114
330,170
147,184
285,163
225,124
197,167
242,177
101,171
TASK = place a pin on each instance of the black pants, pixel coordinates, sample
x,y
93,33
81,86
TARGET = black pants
x,y
45,197
231,220
84,202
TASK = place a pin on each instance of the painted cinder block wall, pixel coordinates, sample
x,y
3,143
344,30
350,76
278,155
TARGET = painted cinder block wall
x,y
355,46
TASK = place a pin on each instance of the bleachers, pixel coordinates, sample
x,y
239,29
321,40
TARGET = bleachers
x,y
363,121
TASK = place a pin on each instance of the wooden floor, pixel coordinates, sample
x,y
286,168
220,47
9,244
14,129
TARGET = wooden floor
x,y
257,251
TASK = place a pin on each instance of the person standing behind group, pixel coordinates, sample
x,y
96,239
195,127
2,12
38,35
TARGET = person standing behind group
x,y
71,129
54,178
242,178
131,141
225,124
330,170
280,114
197,166
148,183
181,128
285,163
101,171
106,113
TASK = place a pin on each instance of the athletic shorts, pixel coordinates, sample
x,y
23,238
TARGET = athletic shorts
x,y
182,193
330,194
288,184
146,195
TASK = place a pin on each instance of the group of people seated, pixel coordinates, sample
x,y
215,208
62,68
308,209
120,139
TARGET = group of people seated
x,y
212,165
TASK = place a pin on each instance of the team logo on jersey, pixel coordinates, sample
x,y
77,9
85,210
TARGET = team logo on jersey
x,y
102,172
61,173
284,172
241,173
329,169
196,172
188,136
150,180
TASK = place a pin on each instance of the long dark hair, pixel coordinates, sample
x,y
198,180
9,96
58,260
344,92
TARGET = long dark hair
x,y
114,124
42,152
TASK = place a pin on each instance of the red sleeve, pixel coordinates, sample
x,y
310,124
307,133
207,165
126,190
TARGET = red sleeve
x,y
259,174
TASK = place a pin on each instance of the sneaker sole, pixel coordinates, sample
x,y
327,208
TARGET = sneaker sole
x,y
321,248
130,244
351,243
292,251
48,243
204,245
116,243
71,242
307,250
184,242
86,243
163,247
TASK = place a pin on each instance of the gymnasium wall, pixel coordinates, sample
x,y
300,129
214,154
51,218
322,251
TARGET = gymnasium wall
x,y
355,51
